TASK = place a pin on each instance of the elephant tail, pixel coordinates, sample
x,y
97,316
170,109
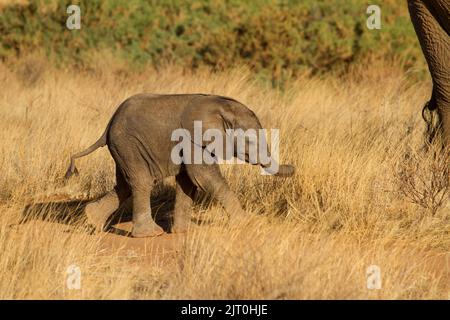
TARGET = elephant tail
x,y
432,120
101,142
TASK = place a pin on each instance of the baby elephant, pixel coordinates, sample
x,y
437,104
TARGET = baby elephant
x,y
140,139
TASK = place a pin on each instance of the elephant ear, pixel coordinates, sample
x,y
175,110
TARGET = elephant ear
x,y
206,114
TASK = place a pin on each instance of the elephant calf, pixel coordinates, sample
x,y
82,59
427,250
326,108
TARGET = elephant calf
x,y
139,139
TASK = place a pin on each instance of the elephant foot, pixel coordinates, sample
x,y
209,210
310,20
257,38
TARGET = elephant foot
x,y
180,227
142,230
180,223
95,218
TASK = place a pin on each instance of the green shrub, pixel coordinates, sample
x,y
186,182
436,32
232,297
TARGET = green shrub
x,y
278,39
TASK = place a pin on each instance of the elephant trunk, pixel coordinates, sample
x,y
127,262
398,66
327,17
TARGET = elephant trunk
x,y
268,163
272,166
257,151
284,170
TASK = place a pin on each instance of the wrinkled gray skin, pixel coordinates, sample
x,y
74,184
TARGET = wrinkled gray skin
x,y
431,20
139,139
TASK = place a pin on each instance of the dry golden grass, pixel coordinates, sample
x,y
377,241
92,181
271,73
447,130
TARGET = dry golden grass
x,y
311,236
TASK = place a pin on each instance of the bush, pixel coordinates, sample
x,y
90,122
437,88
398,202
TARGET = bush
x,y
424,179
278,39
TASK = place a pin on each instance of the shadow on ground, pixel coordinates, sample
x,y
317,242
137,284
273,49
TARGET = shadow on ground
x,y
72,212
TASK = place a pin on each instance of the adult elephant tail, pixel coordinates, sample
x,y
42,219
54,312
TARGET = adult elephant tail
x,y
432,119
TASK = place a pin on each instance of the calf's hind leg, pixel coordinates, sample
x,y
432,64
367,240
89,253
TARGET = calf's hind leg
x,y
100,210
143,224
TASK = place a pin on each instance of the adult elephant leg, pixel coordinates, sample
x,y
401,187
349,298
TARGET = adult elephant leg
x,y
143,224
209,179
100,210
431,20
185,191
444,114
